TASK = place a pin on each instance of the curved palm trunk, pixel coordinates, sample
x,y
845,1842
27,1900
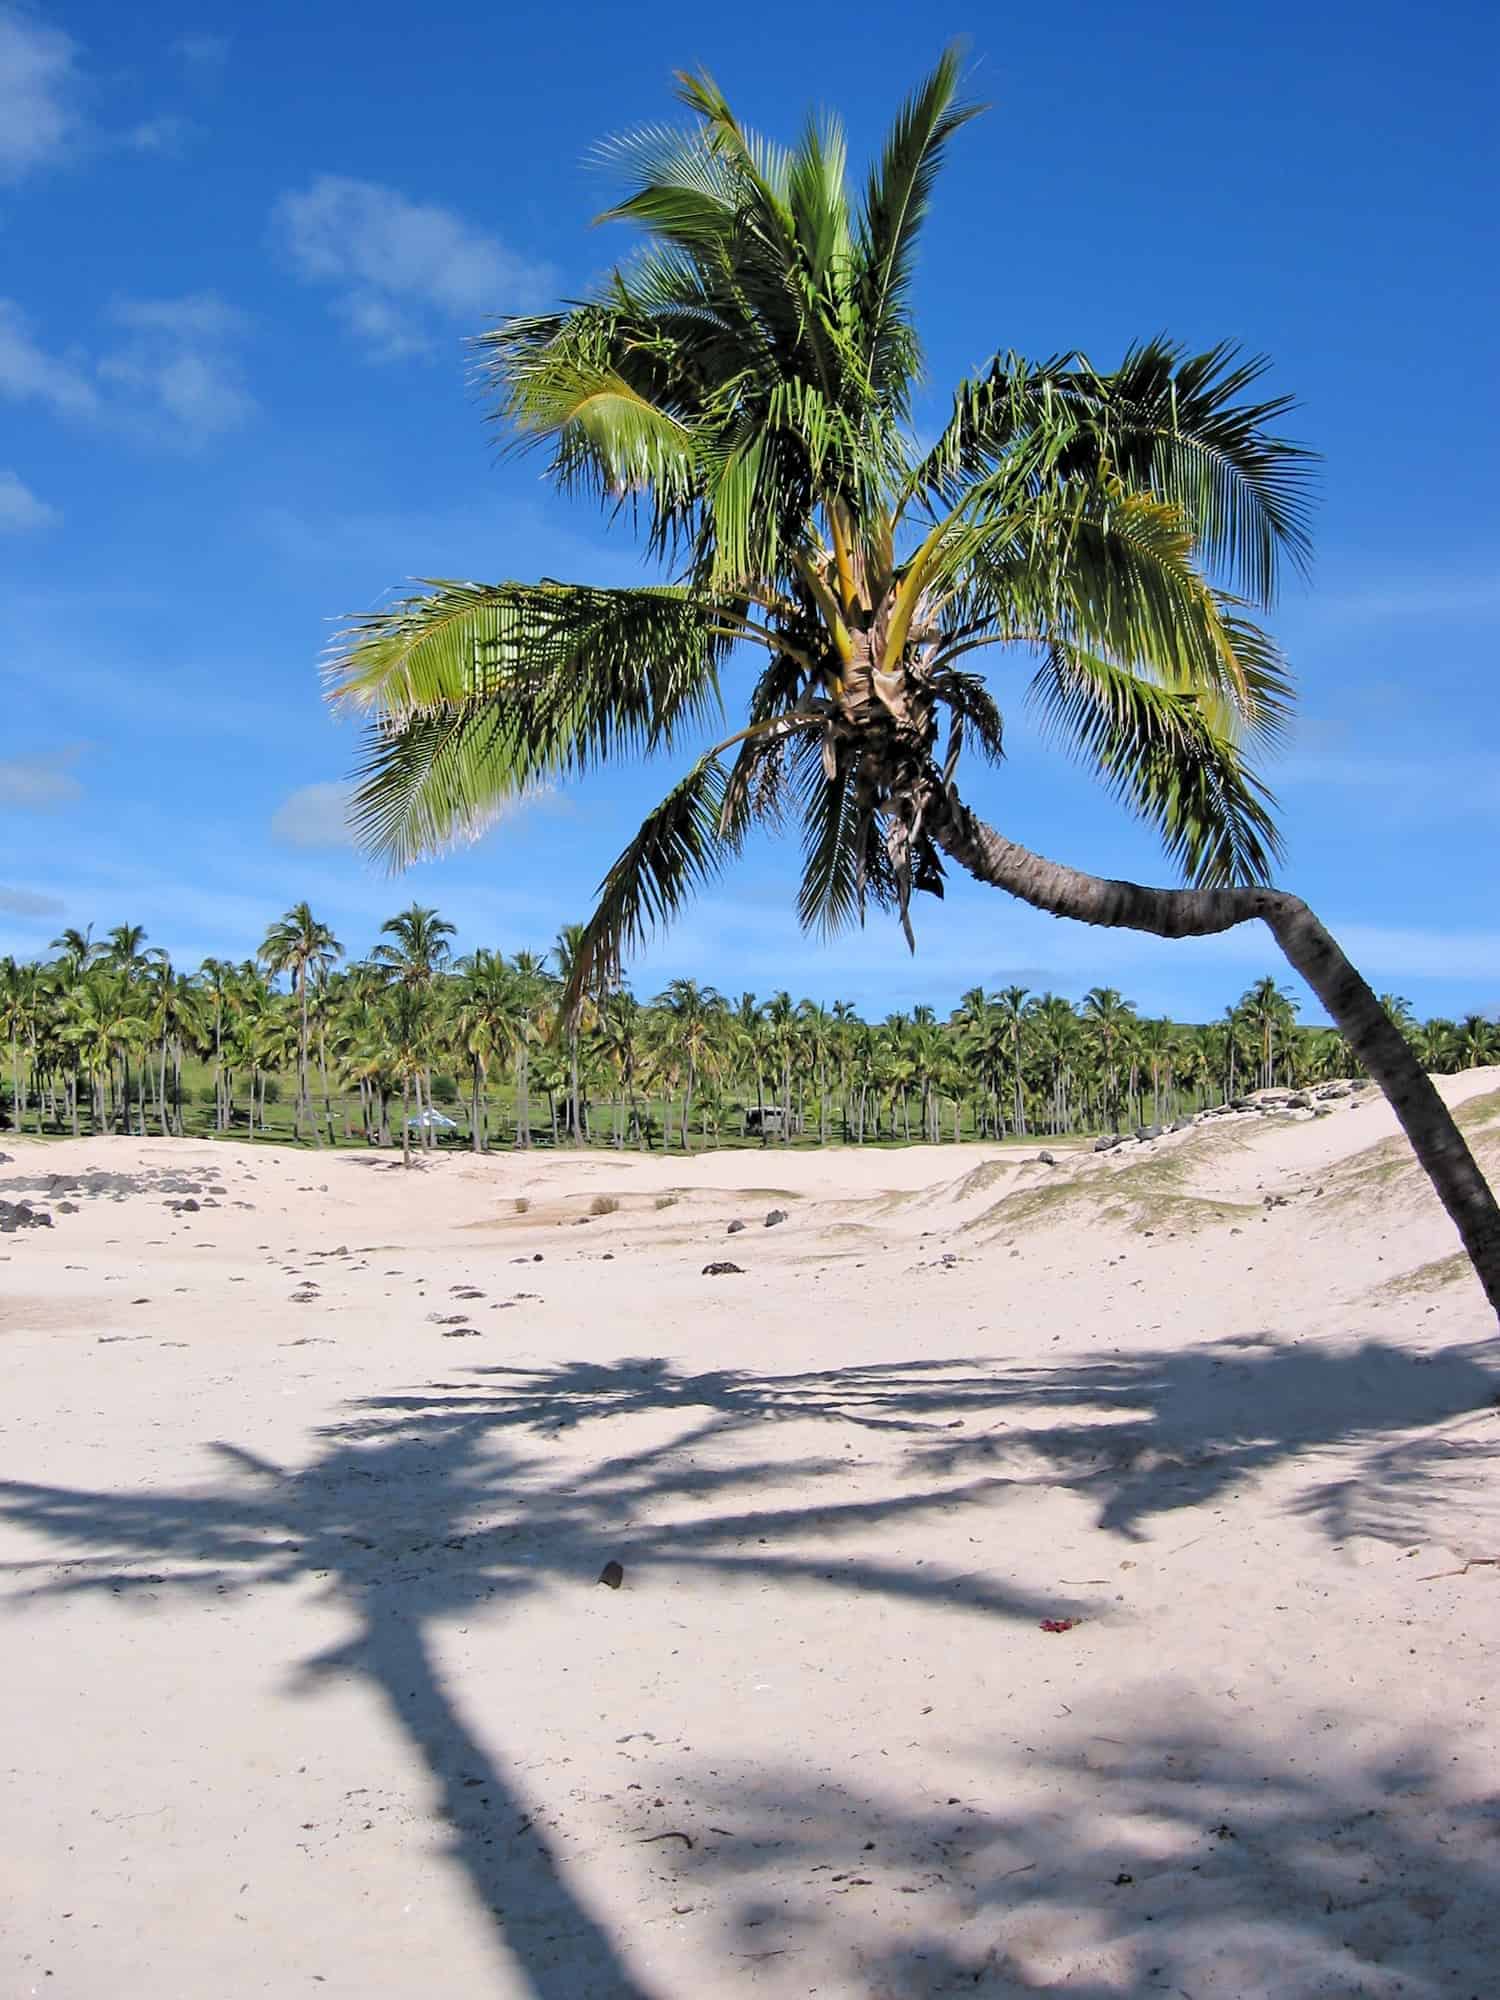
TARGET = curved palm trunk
x,y
1374,1038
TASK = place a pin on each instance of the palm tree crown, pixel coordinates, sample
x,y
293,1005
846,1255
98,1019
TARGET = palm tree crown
x,y
743,387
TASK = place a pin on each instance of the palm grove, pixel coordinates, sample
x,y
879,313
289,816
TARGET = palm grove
x,y
297,1042
740,389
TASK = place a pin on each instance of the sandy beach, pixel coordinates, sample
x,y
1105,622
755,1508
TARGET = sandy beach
x,y
1036,1577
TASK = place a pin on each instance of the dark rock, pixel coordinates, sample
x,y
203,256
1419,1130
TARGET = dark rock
x,y
775,1216
1334,1090
1183,1125
721,1270
734,1228
67,1208
1299,1101
613,1574
16,1215
1107,1142
447,1319
1149,1131
1045,1160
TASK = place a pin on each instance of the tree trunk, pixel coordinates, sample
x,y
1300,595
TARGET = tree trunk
x,y
1371,1034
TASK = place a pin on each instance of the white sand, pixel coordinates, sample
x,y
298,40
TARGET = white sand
x,y
308,1687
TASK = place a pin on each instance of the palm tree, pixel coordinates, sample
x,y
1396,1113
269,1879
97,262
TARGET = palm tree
x,y
692,1013
1108,1016
1269,1011
298,944
746,381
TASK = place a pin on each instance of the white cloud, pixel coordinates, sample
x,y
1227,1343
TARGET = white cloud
x,y
38,88
20,509
28,372
40,782
170,376
399,265
26,903
315,816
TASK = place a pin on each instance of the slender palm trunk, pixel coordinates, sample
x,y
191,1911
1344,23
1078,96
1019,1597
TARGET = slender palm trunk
x,y
1366,1027
405,1122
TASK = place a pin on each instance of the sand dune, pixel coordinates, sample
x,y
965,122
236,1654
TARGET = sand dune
x,y
309,1685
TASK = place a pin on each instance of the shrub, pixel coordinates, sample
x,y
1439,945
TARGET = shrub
x,y
444,1090
271,1091
603,1204
665,1201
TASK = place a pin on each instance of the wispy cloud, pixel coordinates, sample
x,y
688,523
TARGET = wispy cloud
x,y
39,86
26,903
316,816
400,268
40,782
20,509
178,358
29,373
167,372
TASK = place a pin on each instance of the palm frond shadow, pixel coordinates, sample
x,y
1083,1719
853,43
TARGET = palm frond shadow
x,y
461,1494
1147,1857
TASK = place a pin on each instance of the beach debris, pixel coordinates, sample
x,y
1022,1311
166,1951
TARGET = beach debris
x,y
447,1319
612,1574
722,1269
306,1297
775,1216
1060,1624
1122,1880
460,1333
672,1834
1474,1562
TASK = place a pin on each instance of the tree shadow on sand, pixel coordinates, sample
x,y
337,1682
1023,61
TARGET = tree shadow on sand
x,y
1147,1856
460,1494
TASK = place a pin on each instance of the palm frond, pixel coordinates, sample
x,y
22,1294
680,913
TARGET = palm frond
x,y
897,196
1177,422
678,849
1158,749
477,693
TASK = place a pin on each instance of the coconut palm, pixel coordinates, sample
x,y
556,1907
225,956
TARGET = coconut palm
x,y
298,944
744,386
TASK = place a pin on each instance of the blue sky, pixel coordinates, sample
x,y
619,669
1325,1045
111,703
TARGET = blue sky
x,y
237,265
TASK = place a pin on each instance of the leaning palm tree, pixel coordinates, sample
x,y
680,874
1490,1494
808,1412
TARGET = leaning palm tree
x,y
742,389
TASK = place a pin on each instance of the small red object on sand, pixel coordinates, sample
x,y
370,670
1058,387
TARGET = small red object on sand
x,y
1059,1624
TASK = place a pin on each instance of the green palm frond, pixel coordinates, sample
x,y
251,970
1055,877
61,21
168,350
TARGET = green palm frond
x,y
1159,750
829,897
478,693
897,197
678,849
1179,425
